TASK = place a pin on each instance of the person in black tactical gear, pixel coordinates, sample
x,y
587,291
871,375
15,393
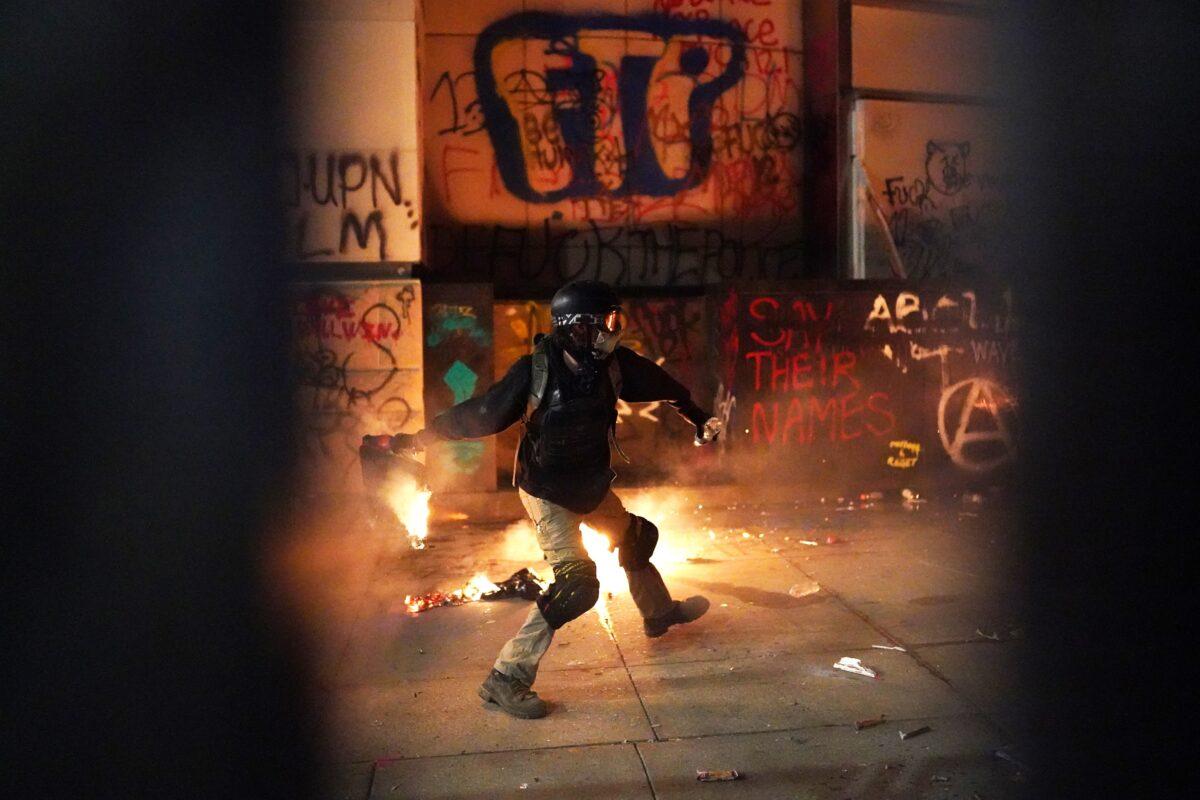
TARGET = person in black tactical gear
x,y
566,393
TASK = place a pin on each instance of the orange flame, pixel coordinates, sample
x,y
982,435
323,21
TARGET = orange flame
x,y
608,571
409,501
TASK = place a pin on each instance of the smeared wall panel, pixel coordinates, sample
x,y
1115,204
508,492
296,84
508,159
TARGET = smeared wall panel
x,y
357,357
944,52
458,365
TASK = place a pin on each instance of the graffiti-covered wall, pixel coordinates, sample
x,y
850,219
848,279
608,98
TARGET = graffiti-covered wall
x,y
932,190
642,142
871,382
358,369
350,177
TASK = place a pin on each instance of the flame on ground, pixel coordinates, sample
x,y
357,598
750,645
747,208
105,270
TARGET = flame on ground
x,y
410,503
608,570
672,513
469,593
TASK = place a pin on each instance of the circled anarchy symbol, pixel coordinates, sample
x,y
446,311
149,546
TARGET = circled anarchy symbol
x,y
982,448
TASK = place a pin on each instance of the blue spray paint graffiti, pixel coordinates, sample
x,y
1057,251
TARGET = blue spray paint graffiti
x,y
464,455
573,94
461,379
450,321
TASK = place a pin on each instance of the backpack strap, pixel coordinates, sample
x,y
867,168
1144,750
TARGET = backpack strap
x,y
614,377
538,379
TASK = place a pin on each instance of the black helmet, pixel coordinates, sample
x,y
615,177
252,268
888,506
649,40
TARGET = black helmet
x,y
587,317
583,301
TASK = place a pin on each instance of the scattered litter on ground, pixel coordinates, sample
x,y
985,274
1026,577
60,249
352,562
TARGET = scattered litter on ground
x,y
888,647
522,583
804,589
707,775
854,665
939,779
832,540
863,724
871,496
1004,755
911,500
916,732
995,637
809,542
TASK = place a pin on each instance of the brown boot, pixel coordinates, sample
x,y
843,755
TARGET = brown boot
x,y
687,611
513,696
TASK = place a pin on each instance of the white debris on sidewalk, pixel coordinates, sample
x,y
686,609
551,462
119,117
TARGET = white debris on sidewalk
x,y
854,665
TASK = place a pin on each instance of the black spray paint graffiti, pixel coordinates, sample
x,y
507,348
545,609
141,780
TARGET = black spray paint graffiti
x,y
674,254
583,93
946,166
364,190
325,315
946,222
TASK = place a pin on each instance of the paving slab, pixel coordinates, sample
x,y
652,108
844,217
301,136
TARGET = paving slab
x,y
322,571
787,691
990,676
347,782
611,772
920,602
838,763
776,623
389,644
446,717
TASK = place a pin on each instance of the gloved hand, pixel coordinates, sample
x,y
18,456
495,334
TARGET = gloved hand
x,y
708,432
408,441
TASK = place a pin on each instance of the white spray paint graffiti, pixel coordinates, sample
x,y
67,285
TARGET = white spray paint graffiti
x,y
973,413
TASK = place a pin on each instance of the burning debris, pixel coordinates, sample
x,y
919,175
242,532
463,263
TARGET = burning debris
x,y
395,480
523,583
608,571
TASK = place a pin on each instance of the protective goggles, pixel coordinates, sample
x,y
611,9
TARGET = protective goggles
x,y
612,321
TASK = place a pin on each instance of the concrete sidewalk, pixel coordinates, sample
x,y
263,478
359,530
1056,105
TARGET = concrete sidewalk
x,y
750,687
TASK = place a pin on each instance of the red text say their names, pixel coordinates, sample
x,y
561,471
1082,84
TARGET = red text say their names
x,y
813,394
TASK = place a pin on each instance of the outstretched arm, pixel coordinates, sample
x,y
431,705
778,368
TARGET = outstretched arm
x,y
643,381
489,413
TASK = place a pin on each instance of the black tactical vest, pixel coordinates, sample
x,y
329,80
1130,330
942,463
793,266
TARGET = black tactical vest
x,y
564,451
568,430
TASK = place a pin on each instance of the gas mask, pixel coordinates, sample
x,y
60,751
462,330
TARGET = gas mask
x,y
591,339
593,336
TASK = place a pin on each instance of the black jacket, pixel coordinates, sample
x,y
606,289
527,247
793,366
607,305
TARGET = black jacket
x,y
642,381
